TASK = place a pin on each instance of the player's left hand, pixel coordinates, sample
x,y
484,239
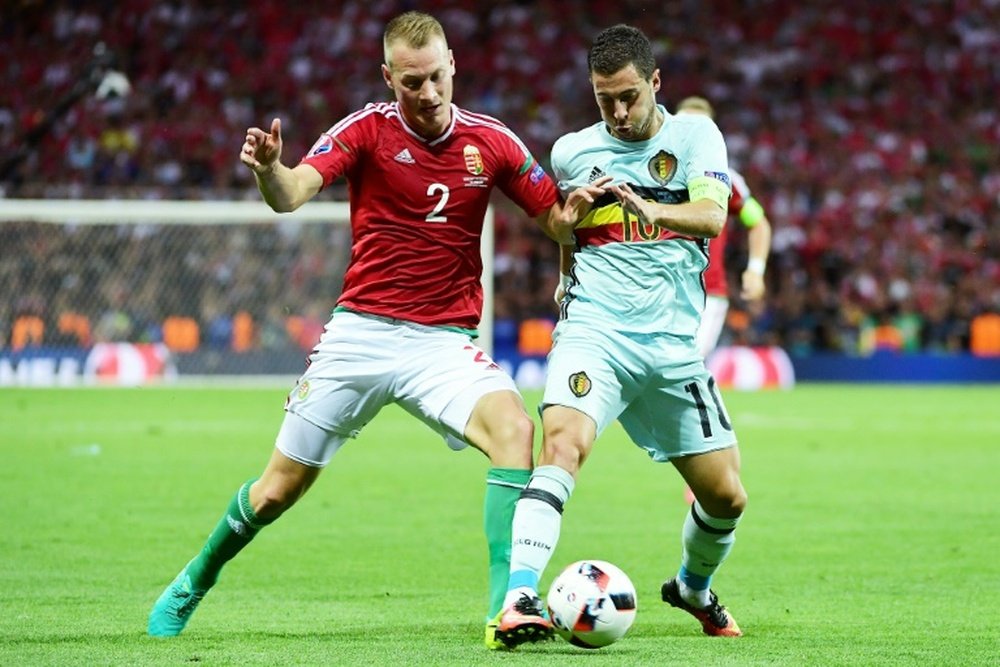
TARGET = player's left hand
x,y
752,287
631,202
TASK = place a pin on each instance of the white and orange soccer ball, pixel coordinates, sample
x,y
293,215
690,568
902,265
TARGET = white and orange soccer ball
x,y
592,603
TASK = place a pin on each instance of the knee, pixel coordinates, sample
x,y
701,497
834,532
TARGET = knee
x,y
510,441
738,501
724,500
563,448
729,503
518,432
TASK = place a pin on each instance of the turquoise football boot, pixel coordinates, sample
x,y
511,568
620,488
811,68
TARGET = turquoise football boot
x,y
174,607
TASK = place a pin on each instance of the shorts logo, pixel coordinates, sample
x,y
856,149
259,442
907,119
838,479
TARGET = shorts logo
x,y
303,390
662,167
579,384
473,159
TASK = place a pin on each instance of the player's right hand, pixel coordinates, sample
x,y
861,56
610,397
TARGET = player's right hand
x,y
262,150
752,286
578,205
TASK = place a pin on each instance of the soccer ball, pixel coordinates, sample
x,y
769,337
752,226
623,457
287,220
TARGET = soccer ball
x,y
591,603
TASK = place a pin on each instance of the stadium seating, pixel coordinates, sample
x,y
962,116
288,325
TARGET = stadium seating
x,y
871,136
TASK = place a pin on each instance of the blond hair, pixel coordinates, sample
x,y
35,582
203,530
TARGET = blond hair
x,y
697,105
415,29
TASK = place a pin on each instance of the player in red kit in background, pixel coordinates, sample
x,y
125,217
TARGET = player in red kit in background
x,y
746,209
420,171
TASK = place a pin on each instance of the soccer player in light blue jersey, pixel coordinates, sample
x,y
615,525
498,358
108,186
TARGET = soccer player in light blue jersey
x,y
625,344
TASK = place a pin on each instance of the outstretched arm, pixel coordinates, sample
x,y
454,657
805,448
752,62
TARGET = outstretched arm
x,y
283,188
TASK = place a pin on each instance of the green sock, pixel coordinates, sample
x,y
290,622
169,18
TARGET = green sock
x,y
503,486
233,532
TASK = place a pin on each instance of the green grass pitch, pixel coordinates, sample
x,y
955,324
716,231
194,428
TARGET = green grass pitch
x,y
871,537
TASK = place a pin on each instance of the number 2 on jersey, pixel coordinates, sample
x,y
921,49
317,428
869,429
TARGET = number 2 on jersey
x,y
433,190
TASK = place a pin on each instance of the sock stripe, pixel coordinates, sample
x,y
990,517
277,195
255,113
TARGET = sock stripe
x,y
246,510
694,581
523,579
531,493
509,485
707,528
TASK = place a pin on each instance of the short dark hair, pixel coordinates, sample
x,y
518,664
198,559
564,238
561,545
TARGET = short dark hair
x,y
619,46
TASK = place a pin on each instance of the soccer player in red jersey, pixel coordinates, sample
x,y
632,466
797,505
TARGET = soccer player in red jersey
x,y
746,209
420,171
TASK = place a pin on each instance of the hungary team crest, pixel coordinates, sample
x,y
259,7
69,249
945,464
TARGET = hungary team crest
x,y
662,167
473,160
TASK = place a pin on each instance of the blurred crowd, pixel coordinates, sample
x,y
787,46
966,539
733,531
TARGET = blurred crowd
x,y
870,132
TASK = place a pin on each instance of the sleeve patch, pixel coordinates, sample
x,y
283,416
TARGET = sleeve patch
x,y
323,145
722,176
537,174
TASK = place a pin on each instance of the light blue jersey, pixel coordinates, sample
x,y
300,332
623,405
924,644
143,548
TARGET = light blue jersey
x,y
634,277
624,347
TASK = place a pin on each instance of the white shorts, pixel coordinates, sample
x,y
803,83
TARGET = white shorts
x,y
712,320
364,362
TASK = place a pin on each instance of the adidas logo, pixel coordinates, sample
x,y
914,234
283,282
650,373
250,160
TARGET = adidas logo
x,y
404,157
236,526
595,174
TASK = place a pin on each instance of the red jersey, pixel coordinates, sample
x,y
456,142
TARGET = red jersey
x,y
417,208
715,274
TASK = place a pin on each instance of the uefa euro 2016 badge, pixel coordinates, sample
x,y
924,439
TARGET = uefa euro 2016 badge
x,y
473,159
537,174
323,145
303,389
579,384
662,167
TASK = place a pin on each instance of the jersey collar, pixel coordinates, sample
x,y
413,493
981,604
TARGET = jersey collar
x,y
430,142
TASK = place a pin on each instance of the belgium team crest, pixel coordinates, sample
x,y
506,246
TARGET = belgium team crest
x,y
473,159
579,384
662,167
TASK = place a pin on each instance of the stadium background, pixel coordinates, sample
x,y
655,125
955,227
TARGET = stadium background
x,y
871,135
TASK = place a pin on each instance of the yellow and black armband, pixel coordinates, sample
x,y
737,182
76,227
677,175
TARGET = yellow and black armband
x,y
706,187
